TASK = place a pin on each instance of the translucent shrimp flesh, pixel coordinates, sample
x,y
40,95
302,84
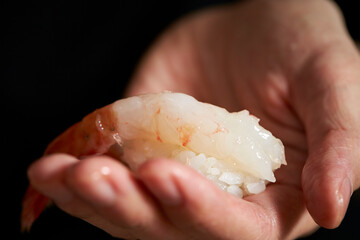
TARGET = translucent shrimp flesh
x,y
230,149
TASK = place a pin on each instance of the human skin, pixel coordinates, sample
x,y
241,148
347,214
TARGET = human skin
x,y
289,62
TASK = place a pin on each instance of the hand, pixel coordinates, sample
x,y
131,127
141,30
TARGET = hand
x,y
290,63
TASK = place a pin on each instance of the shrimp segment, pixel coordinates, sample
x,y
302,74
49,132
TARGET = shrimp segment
x,y
230,149
93,135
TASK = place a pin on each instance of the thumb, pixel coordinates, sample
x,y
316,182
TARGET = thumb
x,y
327,98
329,177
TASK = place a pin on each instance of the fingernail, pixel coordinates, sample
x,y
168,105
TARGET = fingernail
x,y
102,190
162,179
343,194
96,188
171,194
345,191
166,191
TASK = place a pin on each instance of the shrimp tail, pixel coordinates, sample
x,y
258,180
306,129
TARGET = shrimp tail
x,y
93,135
33,204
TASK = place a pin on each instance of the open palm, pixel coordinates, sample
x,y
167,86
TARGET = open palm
x,y
281,61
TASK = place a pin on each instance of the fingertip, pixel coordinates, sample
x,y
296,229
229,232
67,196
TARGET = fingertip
x,y
194,204
175,184
158,176
113,192
46,175
98,180
48,168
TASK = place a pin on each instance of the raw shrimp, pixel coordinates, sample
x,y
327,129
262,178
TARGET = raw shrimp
x,y
230,149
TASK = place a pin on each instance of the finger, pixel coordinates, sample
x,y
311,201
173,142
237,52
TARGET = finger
x,y
48,175
74,186
327,99
201,209
113,193
329,177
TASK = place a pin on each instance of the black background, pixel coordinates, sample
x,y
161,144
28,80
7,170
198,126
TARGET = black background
x,y
62,60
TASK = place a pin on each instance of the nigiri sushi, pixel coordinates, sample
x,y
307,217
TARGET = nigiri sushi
x,y
230,149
